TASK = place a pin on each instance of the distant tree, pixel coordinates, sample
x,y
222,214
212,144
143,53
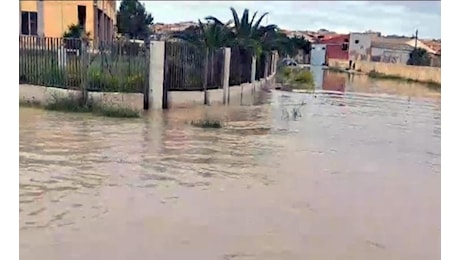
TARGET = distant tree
x,y
133,20
419,57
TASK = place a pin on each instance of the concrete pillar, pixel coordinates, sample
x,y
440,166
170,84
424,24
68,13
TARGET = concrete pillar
x,y
156,75
253,69
276,62
253,73
266,68
226,76
40,18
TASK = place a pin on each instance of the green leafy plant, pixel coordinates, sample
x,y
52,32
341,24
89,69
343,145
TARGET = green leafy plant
x,y
207,123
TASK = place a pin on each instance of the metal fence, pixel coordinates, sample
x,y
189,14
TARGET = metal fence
x,y
263,65
115,66
187,66
123,65
240,66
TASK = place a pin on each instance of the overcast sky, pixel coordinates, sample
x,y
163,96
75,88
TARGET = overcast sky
x,y
387,17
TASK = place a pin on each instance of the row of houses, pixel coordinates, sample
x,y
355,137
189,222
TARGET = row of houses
x,y
371,46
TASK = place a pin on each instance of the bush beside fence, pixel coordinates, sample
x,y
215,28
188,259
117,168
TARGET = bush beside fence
x,y
113,67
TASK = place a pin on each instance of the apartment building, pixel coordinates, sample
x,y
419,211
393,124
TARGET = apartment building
x,y
52,18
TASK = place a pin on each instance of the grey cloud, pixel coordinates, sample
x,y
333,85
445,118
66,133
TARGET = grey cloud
x,y
428,7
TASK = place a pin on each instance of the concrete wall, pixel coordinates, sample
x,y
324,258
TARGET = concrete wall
x,y
243,94
359,46
44,95
239,95
390,56
411,72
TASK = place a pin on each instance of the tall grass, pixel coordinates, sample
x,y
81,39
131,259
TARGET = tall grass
x,y
377,75
295,78
74,104
207,123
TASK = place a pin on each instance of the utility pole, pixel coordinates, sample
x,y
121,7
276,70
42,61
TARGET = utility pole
x,y
416,38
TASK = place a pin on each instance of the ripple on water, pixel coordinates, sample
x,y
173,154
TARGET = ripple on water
x,y
67,162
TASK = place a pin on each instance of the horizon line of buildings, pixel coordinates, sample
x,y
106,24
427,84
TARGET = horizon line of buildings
x,y
371,46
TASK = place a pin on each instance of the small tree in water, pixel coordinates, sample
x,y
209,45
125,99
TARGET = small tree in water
x,y
419,57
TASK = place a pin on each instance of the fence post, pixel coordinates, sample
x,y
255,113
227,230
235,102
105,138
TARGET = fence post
x,y
61,55
275,63
156,75
253,72
226,76
84,71
266,66
205,79
40,19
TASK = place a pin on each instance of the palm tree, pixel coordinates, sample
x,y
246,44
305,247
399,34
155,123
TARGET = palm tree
x,y
245,33
210,35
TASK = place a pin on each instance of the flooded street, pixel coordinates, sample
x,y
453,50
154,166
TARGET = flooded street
x,y
356,175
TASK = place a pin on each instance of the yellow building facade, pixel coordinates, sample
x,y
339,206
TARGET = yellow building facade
x,y
52,18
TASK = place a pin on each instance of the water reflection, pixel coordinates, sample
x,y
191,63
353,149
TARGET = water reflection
x,y
345,82
355,170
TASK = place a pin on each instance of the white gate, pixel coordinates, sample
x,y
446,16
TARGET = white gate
x,y
318,54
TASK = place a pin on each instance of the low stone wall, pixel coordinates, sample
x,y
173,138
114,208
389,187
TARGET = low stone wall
x,y
421,73
240,94
43,95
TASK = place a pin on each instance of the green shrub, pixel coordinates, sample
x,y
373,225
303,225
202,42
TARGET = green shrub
x,y
75,105
295,78
99,81
303,76
286,72
44,70
134,83
207,123
119,112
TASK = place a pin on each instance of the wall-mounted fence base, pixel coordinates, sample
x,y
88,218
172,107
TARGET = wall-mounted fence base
x,y
160,97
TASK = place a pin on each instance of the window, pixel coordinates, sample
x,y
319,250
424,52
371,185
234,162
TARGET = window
x,y
356,41
29,23
81,9
344,46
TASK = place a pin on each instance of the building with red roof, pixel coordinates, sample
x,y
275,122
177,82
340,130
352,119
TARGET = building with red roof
x,y
336,46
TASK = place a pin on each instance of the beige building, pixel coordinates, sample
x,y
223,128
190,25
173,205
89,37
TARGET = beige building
x,y
52,18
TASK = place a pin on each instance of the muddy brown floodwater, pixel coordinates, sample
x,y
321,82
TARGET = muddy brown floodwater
x,y
355,176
